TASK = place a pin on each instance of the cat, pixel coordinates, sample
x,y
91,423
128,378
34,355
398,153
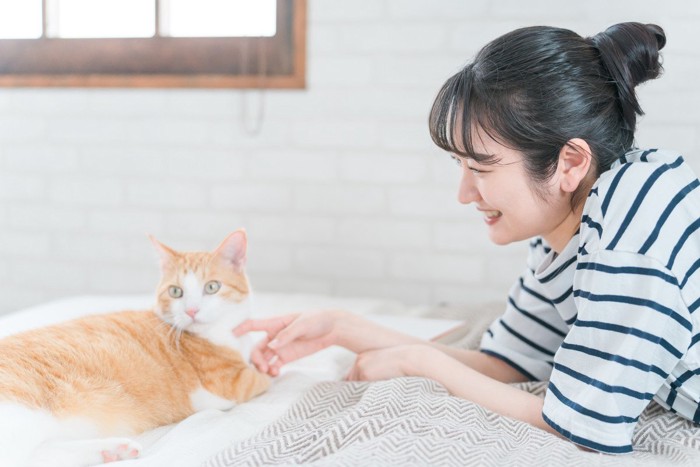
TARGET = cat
x,y
73,394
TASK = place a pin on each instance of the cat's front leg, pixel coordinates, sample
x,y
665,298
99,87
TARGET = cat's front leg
x,y
244,345
250,383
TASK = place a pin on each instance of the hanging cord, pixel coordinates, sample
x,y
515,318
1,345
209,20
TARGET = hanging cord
x,y
252,125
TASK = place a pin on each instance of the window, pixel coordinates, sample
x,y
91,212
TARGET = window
x,y
153,43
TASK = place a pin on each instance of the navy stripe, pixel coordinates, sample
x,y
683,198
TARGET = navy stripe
x,y
646,153
631,331
692,228
671,395
628,270
643,192
686,376
588,412
537,295
636,301
587,442
694,306
571,320
690,272
616,358
537,241
613,187
526,340
591,223
489,332
525,373
564,296
667,212
645,396
696,417
677,383
694,340
594,191
539,321
558,270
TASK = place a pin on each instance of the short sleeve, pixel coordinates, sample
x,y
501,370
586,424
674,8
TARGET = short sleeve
x,y
530,330
631,331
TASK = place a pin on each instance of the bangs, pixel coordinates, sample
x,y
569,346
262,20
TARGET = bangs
x,y
457,110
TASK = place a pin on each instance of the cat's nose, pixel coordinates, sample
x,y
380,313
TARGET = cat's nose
x,y
191,312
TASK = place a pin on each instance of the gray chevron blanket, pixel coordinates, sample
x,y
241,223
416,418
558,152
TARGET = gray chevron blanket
x,y
414,421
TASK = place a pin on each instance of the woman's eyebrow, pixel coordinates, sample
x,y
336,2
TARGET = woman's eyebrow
x,y
486,159
485,156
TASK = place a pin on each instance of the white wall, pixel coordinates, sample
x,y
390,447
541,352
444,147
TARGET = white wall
x,y
341,193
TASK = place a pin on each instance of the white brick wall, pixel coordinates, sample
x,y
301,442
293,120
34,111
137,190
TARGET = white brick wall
x,y
342,191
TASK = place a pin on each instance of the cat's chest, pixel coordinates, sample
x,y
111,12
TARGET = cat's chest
x,y
226,339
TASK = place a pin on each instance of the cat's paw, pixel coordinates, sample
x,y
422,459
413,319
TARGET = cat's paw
x,y
85,452
119,449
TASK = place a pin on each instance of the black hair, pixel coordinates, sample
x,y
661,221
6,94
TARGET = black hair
x,y
536,88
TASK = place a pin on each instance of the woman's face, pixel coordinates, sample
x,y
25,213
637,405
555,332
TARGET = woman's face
x,y
511,209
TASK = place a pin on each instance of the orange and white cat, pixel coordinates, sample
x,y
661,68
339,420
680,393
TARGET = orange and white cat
x,y
72,394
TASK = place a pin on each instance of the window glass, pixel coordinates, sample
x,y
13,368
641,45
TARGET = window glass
x,y
101,18
218,18
20,19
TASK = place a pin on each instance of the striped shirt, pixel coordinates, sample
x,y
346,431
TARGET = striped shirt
x,y
611,321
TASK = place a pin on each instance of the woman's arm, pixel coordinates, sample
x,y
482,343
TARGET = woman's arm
x,y
291,337
483,363
459,379
470,384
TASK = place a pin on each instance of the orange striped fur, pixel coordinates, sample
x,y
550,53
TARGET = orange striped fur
x,y
132,371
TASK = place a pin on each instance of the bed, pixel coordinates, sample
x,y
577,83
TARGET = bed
x,y
310,416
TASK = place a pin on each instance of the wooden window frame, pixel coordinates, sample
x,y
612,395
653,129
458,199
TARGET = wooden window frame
x,y
163,62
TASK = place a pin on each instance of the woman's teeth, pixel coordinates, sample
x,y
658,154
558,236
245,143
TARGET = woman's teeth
x,y
492,214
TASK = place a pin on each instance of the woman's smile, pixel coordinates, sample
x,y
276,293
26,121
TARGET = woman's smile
x,y
491,216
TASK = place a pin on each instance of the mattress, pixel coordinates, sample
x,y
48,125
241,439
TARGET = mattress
x,y
196,439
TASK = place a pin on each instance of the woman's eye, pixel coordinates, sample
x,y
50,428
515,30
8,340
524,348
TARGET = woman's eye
x,y
475,171
457,160
212,287
175,291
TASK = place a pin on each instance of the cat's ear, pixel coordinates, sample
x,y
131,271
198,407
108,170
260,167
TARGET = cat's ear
x,y
165,252
232,250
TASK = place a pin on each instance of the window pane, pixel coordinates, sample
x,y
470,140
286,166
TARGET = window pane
x,y
20,19
101,18
219,18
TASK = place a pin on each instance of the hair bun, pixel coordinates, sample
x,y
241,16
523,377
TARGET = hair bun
x,y
630,53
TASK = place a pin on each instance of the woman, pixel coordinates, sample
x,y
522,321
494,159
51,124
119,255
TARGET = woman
x,y
542,123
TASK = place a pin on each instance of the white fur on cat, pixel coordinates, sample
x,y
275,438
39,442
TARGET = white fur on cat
x,y
35,438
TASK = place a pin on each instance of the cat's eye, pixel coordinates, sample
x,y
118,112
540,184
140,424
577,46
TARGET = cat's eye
x,y
212,287
175,291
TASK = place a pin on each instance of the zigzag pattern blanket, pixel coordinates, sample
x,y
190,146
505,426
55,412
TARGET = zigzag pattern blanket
x,y
414,421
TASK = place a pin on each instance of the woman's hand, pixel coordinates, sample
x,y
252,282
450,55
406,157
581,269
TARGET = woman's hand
x,y
392,362
291,337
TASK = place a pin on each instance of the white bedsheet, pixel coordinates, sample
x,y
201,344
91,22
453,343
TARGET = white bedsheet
x,y
195,439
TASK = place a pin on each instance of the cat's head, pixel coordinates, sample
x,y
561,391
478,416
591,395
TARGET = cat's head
x,y
202,290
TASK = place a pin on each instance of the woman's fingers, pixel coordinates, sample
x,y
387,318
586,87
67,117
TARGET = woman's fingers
x,y
352,374
258,357
288,335
272,325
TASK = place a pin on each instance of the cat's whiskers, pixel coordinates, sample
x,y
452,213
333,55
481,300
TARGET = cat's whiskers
x,y
178,335
171,334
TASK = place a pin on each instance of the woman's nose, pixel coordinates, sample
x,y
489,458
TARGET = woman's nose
x,y
468,193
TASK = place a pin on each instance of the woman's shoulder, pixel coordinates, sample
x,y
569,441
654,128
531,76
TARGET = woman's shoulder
x,y
640,171
630,203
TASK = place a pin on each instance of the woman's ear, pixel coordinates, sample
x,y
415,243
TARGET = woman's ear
x,y
575,160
